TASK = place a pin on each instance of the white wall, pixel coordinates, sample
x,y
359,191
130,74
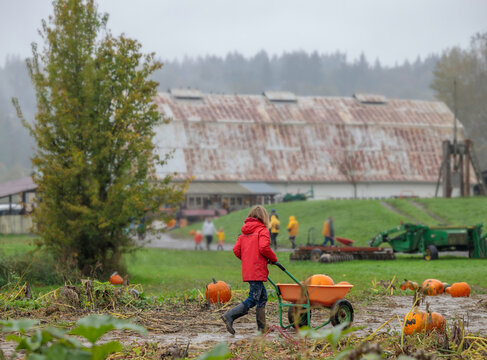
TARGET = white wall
x,y
365,190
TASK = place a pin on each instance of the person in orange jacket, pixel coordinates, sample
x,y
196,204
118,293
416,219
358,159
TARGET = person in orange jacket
x,y
292,228
328,232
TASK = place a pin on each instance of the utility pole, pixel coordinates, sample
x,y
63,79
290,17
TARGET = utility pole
x,y
455,165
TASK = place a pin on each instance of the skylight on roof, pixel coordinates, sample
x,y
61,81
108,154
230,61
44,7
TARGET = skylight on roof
x,y
192,94
370,98
280,96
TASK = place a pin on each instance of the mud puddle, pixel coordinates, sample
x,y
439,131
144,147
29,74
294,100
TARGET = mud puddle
x,y
202,327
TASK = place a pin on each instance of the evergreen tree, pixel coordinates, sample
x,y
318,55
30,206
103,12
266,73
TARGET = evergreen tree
x,y
95,164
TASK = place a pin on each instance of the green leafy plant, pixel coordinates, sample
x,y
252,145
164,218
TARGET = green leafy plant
x,y
219,352
58,344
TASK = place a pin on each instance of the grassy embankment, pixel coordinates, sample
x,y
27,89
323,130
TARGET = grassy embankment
x,y
359,220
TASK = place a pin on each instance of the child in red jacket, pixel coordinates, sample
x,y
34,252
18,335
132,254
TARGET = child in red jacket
x,y
253,249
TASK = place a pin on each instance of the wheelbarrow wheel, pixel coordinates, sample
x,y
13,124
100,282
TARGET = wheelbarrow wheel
x,y
341,312
297,316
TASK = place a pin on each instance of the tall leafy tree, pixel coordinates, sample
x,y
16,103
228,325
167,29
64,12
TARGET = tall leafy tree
x,y
94,126
460,80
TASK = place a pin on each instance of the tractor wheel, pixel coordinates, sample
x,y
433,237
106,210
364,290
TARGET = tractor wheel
x,y
341,312
315,255
431,253
297,316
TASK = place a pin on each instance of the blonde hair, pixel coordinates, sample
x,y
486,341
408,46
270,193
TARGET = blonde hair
x,y
260,213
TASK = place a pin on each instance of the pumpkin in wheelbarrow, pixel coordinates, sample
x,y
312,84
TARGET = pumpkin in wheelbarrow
x,y
319,279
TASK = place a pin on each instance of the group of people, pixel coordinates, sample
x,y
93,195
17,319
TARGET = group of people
x,y
328,231
208,230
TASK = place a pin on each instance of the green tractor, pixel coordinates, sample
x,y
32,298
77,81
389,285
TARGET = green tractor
x,y
429,240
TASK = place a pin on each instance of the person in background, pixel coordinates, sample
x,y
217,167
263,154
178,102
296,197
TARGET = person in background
x,y
221,237
208,231
197,240
275,226
292,228
253,249
328,232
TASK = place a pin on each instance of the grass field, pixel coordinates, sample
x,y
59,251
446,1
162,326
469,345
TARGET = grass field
x,y
176,272
360,220
11,244
170,272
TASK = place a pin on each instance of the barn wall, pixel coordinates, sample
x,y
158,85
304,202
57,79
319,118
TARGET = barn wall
x,y
15,224
366,190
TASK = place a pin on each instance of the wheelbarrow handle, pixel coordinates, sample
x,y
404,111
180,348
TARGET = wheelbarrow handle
x,y
280,266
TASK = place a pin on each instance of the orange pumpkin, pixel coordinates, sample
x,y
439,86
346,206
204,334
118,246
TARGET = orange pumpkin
x,y
192,232
432,287
218,292
116,279
344,283
435,321
319,279
408,284
171,223
461,289
415,322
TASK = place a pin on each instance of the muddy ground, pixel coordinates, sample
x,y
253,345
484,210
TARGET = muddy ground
x,y
201,327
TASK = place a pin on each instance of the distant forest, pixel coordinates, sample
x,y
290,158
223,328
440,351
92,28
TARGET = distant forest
x,y
301,73
298,72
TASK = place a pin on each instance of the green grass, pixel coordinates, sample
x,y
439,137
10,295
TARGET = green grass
x,y
11,244
359,220
175,272
171,272
458,211
418,215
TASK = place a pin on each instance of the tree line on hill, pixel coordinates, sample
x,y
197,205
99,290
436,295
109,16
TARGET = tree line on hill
x,y
300,72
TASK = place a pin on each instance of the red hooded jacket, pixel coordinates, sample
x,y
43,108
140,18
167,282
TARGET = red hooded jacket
x,y
253,248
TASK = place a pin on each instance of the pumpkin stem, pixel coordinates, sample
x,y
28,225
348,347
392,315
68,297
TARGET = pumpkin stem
x,y
214,281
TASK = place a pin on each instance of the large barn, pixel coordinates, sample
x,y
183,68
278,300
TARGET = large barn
x,y
243,149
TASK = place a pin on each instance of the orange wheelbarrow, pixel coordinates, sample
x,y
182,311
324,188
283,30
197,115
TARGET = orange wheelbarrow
x,y
301,298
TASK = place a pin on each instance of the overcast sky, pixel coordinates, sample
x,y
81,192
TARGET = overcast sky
x,y
390,30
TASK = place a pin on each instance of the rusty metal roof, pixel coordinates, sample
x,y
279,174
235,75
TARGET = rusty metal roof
x,y
251,138
18,186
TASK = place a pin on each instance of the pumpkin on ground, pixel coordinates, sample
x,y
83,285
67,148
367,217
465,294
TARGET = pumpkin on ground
x,y
218,292
415,322
461,289
435,321
408,284
192,232
432,287
116,279
319,279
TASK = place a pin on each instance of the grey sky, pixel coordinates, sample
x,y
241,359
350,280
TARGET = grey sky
x,y
391,30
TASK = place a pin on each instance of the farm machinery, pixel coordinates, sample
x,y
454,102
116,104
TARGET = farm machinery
x,y
405,238
429,240
347,252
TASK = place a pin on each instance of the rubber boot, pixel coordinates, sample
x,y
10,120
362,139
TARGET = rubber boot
x,y
231,315
260,317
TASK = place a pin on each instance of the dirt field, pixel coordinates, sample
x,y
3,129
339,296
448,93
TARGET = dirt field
x,y
201,327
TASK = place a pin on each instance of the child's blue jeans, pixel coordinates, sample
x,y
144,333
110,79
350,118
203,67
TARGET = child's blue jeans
x,y
257,295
